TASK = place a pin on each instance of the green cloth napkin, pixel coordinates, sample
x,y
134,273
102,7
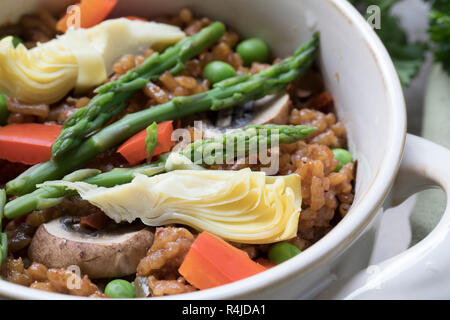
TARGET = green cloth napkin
x,y
430,204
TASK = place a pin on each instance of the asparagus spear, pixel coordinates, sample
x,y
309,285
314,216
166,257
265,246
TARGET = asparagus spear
x,y
2,205
226,94
112,98
3,237
46,196
4,247
4,112
243,142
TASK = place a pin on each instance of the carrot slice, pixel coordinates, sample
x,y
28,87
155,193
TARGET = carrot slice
x,y
28,143
132,18
133,150
212,262
92,12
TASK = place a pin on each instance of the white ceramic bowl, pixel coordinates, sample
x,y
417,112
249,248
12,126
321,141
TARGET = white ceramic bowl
x,y
360,76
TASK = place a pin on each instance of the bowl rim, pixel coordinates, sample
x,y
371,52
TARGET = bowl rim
x,y
345,232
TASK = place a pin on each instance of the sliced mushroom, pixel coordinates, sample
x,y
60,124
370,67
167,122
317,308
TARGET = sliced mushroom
x,y
273,109
102,254
224,118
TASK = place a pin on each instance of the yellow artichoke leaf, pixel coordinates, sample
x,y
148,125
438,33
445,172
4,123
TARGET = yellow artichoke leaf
x,y
241,206
80,59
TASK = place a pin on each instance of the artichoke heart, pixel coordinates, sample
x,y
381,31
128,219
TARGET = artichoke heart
x,y
80,59
241,206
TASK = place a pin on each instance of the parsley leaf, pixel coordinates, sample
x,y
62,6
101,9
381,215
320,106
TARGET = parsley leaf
x,y
439,31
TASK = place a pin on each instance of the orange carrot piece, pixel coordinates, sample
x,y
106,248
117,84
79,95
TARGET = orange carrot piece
x,y
133,150
28,143
92,12
132,18
212,262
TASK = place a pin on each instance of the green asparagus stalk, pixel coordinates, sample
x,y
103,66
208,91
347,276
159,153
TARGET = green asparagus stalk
x,y
112,98
3,247
47,196
3,237
251,139
4,112
226,94
2,205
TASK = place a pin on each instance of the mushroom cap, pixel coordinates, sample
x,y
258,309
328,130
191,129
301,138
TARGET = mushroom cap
x,y
103,254
273,109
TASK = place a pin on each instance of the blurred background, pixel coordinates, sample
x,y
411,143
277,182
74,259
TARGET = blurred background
x,y
428,109
413,16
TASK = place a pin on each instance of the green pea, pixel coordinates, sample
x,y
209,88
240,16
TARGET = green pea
x,y
282,251
343,157
119,288
217,71
4,112
253,50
